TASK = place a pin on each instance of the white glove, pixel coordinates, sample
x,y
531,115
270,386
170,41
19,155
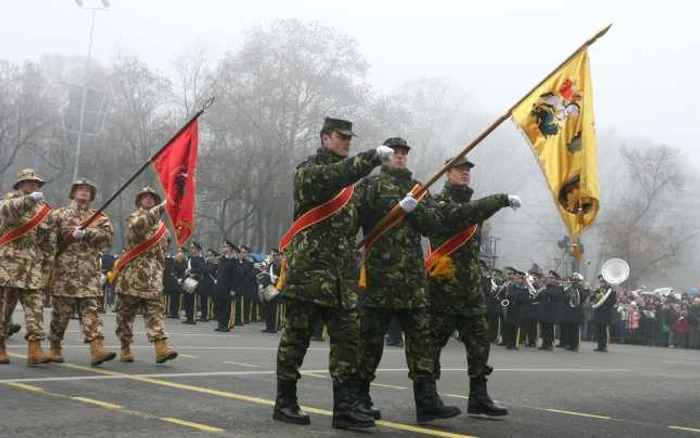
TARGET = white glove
x,y
408,203
384,153
514,202
78,233
36,196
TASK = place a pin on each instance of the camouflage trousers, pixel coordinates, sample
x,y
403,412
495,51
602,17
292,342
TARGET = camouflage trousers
x,y
153,310
343,330
90,320
420,352
473,332
33,311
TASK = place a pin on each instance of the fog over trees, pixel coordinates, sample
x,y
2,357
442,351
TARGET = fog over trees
x,y
272,92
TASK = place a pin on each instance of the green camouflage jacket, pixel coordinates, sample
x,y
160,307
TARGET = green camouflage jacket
x,y
395,275
454,294
76,271
321,259
25,262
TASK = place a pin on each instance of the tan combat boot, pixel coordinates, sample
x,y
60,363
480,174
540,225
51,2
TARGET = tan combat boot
x,y
126,353
98,352
4,358
164,353
55,354
35,355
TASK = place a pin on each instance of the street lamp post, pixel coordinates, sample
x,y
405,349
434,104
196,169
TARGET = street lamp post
x,y
93,8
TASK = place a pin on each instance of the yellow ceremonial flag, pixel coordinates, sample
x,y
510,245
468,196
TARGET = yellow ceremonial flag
x,y
557,121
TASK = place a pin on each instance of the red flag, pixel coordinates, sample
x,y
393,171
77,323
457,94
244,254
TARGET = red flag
x,y
176,166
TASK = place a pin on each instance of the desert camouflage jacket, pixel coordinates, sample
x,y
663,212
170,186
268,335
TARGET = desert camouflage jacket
x,y
143,277
25,262
76,271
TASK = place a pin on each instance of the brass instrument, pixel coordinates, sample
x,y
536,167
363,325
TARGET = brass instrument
x,y
614,272
500,294
531,287
572,293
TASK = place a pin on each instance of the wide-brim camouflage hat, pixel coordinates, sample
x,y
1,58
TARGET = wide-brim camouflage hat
x,y
28,175
397,143
147,191
462,162
84,182
338,125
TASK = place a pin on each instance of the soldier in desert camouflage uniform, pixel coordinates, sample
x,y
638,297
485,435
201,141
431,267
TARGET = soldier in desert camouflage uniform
x,y
76,272
139,283
397,283
321,276
456,293
25,261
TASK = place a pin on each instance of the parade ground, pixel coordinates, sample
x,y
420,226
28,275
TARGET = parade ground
x,y
223,384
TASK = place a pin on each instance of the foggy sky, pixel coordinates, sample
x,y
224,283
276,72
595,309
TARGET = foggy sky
x,y
644,70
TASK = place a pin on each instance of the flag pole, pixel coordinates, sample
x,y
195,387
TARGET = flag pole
x,y
131,179
396,212
69,239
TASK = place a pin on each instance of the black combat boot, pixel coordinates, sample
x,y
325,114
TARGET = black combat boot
x,y
286,405
479,400
346,412
429,405
365,404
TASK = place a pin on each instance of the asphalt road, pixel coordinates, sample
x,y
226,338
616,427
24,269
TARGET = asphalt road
x,y
224,384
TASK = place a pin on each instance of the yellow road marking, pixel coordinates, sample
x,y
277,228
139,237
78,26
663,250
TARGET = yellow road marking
x,y
99,403
198,426
579,414
262,401
318,376
26,387
686,429
420,430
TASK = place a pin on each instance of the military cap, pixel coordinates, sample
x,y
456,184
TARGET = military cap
x,y
84,182
461,163
245,248
535,274
196,245
397,142
338,125
147,191
230,244
554,274
577,276
213,252
28,175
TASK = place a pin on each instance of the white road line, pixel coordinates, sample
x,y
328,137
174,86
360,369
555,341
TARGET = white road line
x,y
241,364
320,373
187,356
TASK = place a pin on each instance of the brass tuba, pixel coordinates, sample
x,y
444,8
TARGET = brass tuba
x,y
615,271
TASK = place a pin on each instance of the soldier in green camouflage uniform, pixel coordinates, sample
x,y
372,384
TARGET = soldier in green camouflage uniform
x,y
456,295
76,272
26,263
140,284
321,277
397,283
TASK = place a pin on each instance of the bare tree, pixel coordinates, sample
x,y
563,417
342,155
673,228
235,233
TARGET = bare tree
x,y
640,226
